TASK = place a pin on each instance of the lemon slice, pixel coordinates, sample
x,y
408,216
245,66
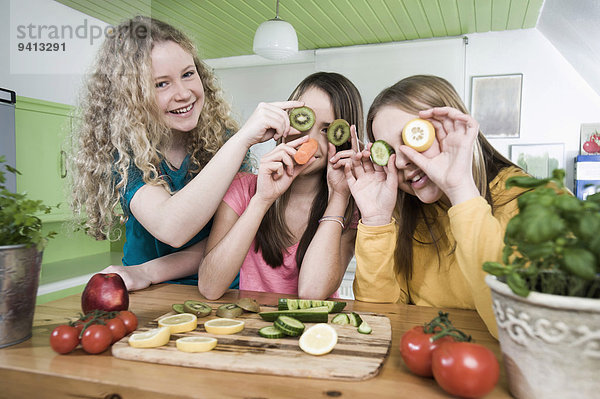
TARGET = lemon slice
x,y
196,344
223,326
318,339
151,338
178,323
418,134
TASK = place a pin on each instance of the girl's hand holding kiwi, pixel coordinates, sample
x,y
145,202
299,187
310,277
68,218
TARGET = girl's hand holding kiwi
x,y
373,187
268,121
451,169
336,178
278,169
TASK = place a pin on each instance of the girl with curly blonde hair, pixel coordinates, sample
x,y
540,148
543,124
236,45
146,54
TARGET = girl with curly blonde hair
x,y
156,137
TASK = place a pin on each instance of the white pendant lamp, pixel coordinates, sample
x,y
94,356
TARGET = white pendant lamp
x,y
275,39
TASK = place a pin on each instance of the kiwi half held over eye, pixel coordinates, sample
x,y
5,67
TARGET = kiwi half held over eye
x,y
338,132
302,118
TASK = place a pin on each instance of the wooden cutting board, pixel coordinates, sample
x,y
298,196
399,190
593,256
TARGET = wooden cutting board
x,y
355,357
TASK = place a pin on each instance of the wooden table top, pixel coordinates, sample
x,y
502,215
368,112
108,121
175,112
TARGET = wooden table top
x,y
33,369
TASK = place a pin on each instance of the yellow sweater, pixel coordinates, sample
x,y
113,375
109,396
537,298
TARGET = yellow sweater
x,y
457,279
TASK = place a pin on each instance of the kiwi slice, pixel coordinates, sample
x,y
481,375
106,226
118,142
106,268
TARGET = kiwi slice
x,y
200,309
249,305
338,132
229,311
302,118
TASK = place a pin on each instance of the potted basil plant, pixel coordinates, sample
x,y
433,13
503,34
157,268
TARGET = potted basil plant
x,y
546,292
21,246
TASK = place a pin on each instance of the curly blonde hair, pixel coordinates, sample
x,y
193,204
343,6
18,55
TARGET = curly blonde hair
x,y
120,126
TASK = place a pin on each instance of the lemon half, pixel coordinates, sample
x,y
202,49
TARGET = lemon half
x,y
151,338
196,344
223,326
178,323
318,339
418,134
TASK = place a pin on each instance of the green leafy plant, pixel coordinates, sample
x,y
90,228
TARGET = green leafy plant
x,y
18,221
553,244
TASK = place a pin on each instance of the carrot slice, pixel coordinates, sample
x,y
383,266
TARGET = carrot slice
x,y
306,151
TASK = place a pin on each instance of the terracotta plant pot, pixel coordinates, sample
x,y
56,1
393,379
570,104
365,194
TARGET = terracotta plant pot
x,y
19,279
550,343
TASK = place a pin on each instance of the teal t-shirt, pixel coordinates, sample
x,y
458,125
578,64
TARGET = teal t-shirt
x,y
141,246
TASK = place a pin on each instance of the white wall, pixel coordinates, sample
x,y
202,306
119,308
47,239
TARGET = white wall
x,y
52,76
556,100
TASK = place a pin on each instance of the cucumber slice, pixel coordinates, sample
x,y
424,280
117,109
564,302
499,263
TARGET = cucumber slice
x,y
364,328
271,332
289,325
340,319
355,319
305,304
313,315
200,309
380,152
178,307
334,307
292,304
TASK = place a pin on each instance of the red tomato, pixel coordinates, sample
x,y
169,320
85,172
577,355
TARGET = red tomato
x,y
416,348
129,319
117,328
465,369
96,338
64,339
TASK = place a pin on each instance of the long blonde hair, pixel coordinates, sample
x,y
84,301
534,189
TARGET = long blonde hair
x,y
414,94
120,126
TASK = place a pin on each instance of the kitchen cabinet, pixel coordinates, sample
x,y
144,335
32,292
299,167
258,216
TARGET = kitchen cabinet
x,y
41,131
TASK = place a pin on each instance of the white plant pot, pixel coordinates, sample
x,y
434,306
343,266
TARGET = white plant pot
x,y
550,343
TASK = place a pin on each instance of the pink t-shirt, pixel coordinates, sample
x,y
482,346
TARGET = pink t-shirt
x,y
256,274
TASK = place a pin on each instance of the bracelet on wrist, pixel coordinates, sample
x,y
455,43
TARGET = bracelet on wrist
x,y
337,219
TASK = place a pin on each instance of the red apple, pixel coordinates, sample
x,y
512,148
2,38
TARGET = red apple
x,y
105,291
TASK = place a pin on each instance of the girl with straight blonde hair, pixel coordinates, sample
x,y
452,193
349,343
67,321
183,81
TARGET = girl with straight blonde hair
x,y
430,219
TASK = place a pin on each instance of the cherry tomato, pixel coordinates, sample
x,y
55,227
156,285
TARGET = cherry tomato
x,y
465,369
129,319
117,328
64,339
96,338
416,348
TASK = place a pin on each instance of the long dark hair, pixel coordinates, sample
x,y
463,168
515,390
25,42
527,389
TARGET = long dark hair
x,y
414,94
273,236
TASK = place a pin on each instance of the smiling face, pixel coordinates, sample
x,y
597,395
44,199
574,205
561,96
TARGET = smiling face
x,y
387,125
319,101
179,90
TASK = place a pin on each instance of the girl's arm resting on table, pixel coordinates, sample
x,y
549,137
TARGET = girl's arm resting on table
x,y
327,255
376,279
176,265
228,244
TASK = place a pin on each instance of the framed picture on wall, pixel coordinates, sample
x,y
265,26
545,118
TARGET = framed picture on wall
x,y
496,104
538,160
589,139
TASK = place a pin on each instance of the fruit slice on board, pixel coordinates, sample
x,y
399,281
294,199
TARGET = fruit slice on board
x,y
302,118
178,323
200,309
381,152
223,326
338,132
196,344
151,338
318,339
418,134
